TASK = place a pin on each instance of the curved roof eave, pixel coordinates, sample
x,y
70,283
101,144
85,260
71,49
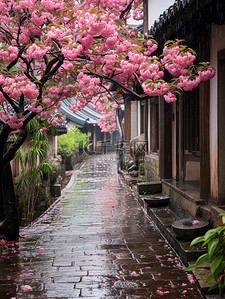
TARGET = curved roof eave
x,y
81,117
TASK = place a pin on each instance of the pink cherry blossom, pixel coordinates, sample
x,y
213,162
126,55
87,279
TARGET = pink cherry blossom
x,y
36,52
50,56
207,74
169,97
42,130
160,292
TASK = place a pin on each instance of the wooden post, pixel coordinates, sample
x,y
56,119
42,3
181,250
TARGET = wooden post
x,y
165,139
221,128
204,123
204,141
127,121
145,20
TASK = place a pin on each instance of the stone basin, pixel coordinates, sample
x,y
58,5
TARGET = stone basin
x,y
157,201
184,229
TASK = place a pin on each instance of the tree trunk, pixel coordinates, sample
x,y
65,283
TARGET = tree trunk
x,y
9,227
2,216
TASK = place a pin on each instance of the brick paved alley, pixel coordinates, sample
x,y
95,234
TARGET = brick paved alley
x,y
95,242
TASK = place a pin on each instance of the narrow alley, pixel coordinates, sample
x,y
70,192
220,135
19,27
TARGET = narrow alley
x,y
97,242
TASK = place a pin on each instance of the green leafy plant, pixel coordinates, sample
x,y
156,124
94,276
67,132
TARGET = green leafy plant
x,y
214,239
34,166
142,168
71,141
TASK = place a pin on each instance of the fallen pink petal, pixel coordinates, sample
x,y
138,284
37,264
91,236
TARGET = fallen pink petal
x,y
195,222
40,248
26,288
160,292
28,274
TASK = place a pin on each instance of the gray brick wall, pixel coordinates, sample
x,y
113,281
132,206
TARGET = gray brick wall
x,y
152,168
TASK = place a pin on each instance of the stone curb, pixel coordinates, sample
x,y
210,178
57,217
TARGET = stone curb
x,y
165,232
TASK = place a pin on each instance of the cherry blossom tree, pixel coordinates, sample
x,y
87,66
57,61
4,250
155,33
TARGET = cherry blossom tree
x,y
53,49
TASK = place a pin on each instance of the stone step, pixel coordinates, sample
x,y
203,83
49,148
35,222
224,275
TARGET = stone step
x,y
163,218
156,200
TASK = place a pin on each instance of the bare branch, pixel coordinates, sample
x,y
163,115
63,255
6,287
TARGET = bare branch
x,y
3,137
9,155
46,60
10,100
2,122
48,68
127,9
8,33
21,103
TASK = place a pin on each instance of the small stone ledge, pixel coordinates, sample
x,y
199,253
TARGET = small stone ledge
x,y
130,181
184,194
210,212
163,217
156,200
201,274
184,229
55,190
182,203
149,188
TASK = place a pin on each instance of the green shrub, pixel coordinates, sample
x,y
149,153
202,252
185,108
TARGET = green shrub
x,y
72,141
30,179
215,241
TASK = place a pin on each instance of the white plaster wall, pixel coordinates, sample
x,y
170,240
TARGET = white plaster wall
x,y
217,44
192,171
139,118
156,8
133,23
134,119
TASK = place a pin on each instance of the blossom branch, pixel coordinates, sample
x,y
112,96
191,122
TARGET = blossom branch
x,y
127,9
10,100
136,95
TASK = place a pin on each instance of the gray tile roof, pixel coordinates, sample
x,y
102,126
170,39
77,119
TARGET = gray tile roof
x,y
80,118
182,8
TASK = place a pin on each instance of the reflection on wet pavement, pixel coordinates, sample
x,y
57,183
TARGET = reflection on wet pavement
x,y
95,242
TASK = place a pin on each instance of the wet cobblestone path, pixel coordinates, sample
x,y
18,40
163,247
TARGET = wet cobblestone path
x,y
96,242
